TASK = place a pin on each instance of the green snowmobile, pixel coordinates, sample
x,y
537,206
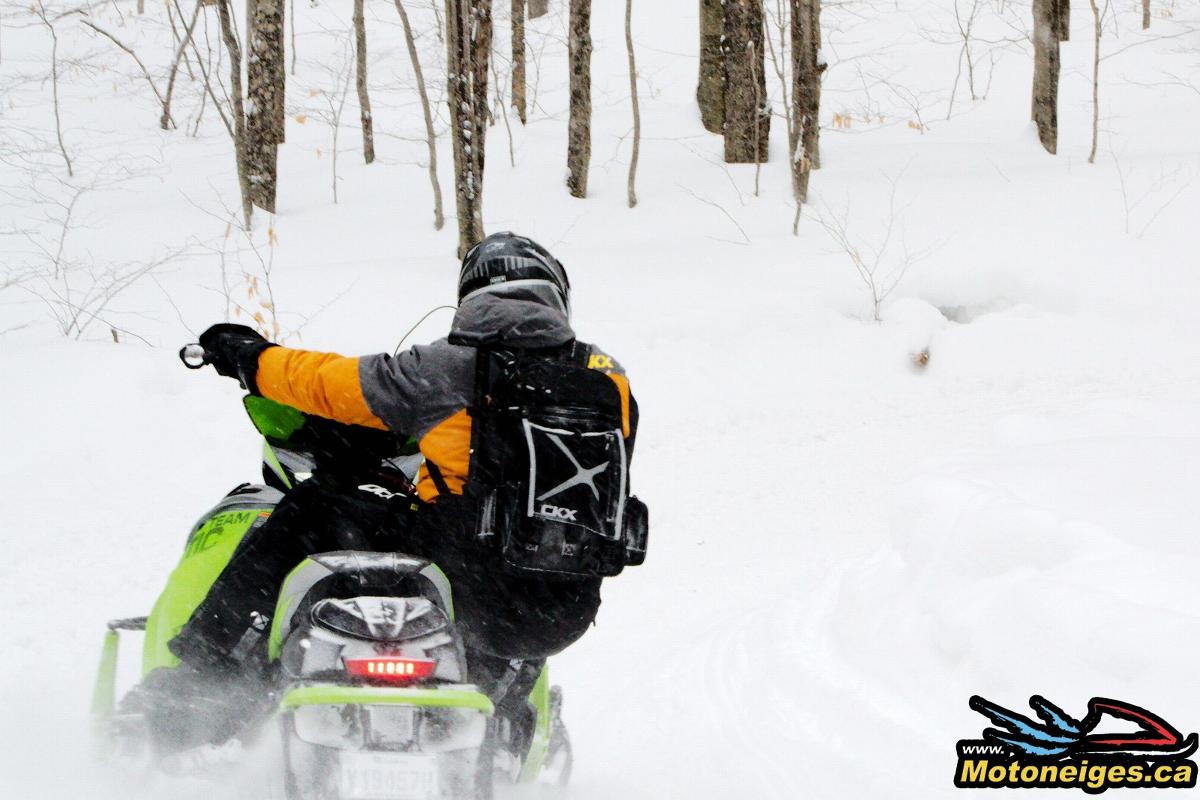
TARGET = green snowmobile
x,y
370,684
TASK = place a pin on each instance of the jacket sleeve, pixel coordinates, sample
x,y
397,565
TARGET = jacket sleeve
x,y
324,384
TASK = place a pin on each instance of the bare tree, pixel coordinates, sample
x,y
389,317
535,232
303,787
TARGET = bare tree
x,y
292,33
538,8
331,111
165,119
747,112
1047,30
877,263
1145,14
180,55
468,48
237,108
430,133
579,127
360,67
76,288
804,133
633,99
1098,32
266,76
518,58
710,91
965,25
40,11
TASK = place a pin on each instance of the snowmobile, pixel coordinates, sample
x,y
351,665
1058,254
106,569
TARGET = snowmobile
x,y
370,686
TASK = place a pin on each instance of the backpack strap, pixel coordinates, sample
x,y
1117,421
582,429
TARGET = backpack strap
x,y
439,480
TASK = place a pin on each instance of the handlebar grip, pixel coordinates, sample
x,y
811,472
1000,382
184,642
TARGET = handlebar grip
x,y
193,356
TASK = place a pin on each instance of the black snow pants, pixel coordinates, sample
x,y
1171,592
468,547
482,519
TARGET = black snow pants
x,y
501,617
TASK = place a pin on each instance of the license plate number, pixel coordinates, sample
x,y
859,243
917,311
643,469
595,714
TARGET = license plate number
x,y
388,776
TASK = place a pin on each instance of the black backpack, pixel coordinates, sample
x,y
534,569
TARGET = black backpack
x,y
549,463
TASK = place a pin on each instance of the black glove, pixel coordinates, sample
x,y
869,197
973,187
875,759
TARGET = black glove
x,y
233,351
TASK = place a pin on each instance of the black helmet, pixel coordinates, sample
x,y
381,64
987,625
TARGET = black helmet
x,y
505,263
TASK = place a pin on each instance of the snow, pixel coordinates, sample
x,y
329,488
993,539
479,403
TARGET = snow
x,y
845,546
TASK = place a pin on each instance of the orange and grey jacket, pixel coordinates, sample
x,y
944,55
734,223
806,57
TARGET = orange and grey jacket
x,y
424,391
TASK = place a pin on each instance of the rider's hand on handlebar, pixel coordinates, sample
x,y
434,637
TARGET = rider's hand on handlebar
x,y
233,351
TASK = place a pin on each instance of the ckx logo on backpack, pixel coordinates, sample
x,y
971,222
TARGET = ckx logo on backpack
x,y
582,477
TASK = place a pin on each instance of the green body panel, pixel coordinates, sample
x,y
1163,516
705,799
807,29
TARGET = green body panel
x,y
540,697
335,695
208,551
435,573
282,610
105,690
273,420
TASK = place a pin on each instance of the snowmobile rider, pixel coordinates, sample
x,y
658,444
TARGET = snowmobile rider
x,y
508,285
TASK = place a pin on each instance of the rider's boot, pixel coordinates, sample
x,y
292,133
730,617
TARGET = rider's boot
x,y
207,700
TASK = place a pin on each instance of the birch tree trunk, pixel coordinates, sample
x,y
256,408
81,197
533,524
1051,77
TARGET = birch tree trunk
x,y
266,75
538,8
710,91
360,79
805,130
1046,65
518,58
579,127
747,113
468,47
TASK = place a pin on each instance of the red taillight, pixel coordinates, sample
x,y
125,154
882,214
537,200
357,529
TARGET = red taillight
x,y
391,668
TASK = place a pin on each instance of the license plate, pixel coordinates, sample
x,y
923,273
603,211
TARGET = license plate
x,y
388,776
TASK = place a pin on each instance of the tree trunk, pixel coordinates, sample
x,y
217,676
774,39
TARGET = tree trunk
x,y
710,92
747,112
360,78
1097,32
806,92
1062,20
237,110
468,47
579,127
1045,72
631,191
430,133
538,8
1145,14
518,58
266,74
165,120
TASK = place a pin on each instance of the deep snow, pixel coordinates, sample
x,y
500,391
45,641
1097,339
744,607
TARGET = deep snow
x,y
845,546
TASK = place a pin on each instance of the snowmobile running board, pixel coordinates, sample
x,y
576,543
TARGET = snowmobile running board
x,y
336,695
105,691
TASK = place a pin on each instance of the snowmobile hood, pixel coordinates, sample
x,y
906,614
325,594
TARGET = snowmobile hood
x,y
522,316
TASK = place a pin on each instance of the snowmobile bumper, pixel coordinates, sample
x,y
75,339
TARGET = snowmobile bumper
x,y
334,694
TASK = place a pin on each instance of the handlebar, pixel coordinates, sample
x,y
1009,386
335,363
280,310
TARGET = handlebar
x,y
193,356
